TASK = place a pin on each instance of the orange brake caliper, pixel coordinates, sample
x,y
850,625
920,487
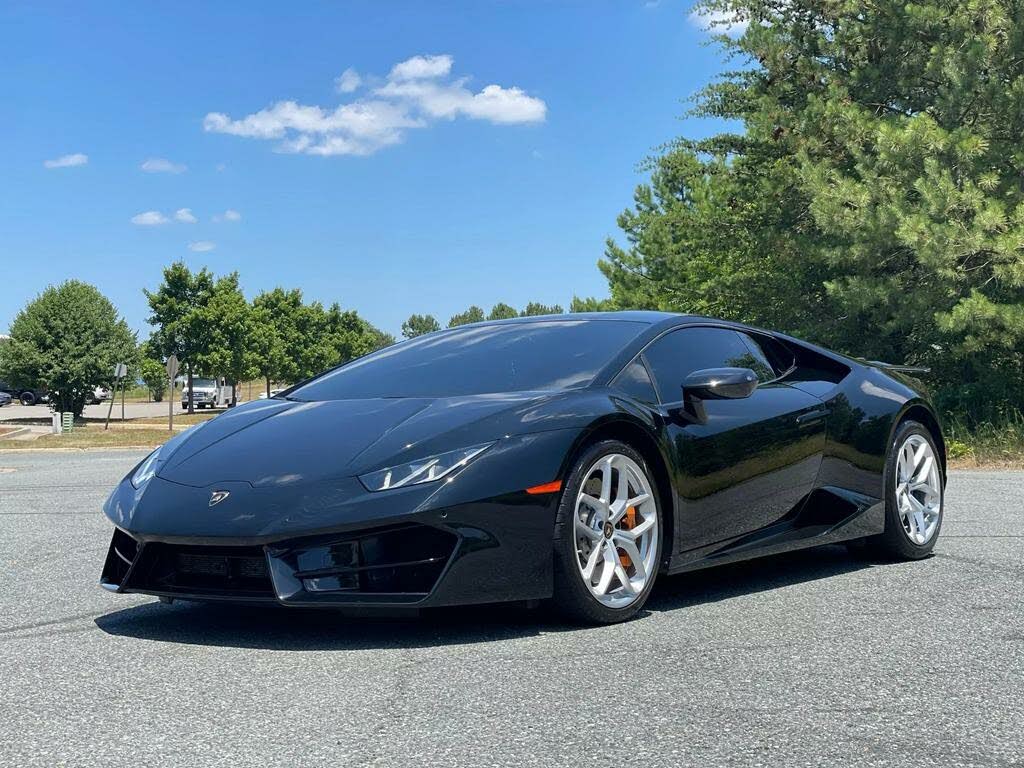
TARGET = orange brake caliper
x,y
628,522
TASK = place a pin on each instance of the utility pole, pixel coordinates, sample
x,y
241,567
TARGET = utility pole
x,y
172,371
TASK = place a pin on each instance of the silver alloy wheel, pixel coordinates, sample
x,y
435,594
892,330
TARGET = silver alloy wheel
x,y
616,530
918,489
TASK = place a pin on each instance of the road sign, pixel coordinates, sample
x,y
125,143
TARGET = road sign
x,y
120,371
172,368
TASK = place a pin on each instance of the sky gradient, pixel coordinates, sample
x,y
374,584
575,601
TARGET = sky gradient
x,y
393,157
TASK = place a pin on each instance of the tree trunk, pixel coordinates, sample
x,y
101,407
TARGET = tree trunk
x,y
268,387
234,394
191,405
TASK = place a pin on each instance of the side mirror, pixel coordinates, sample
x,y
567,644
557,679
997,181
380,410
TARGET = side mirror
x,y
720,384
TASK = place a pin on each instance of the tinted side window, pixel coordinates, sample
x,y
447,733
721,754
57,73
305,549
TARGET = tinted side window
x,y
777,356
676,355
763,368
634,380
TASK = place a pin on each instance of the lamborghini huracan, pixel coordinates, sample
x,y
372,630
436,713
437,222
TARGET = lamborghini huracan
x,y
570,458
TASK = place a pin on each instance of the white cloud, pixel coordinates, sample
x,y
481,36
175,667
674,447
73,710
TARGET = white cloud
x,y
347,81
162,165
201,246
67,161
149,219
416,93
420,67
719,21
221,167
185,216
451,100
229,215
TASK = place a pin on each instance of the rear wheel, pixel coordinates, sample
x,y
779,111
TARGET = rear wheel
x,y
28,398
914,496
607,535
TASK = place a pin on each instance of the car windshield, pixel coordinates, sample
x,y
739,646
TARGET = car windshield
x,y
203,383
480,359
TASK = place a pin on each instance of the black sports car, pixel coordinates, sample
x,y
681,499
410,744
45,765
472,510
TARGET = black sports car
x,y
571,457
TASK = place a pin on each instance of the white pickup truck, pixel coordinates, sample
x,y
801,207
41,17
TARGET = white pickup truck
x,y
206,393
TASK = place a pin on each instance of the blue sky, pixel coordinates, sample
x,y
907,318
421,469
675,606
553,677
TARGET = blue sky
x,y
483,155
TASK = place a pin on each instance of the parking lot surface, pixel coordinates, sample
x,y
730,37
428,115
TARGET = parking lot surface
x,y
808,659
19,412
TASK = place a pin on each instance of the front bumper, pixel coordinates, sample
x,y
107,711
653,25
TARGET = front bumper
x,y
477,537
484,552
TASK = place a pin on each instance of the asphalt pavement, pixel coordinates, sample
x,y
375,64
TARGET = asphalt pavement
x,y
19,412
808,659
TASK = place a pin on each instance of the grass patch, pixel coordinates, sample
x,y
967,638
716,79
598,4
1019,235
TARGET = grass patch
x,y
179,418
94,436
996,445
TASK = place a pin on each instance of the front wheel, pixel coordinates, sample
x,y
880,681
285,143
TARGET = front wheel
x,y
607,535
914,491
28,398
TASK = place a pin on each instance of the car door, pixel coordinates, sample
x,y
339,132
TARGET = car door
x,y
741,464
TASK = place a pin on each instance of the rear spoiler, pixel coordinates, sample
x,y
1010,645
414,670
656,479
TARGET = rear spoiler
x,y
898,368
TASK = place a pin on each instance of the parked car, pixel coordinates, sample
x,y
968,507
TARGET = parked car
x,y
570,457
99,394
25,396
5,399
205,393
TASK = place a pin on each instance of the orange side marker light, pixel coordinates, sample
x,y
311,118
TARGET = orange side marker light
x,y
552,487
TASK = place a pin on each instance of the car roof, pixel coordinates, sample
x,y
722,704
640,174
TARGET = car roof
x,y
647,317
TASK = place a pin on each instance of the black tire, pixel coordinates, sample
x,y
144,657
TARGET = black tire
x,y
571,597
27,398
894,543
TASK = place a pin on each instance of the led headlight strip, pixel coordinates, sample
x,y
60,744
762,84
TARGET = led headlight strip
x,y
424,470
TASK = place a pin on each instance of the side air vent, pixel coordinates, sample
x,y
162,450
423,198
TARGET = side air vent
x,y
120,557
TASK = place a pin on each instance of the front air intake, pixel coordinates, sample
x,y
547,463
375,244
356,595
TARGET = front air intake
x,y
405,560
202,571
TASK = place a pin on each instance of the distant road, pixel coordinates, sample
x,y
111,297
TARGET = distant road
x,y
809,659
131,411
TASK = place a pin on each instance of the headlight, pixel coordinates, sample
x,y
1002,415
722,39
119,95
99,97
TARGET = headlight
x,y
146,469
423,470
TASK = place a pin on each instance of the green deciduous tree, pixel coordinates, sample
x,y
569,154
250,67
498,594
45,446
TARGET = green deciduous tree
x,y
872,199
472,315
291,340
154,376
68,341
590,304
502,311
225,318
536,308
276,334
417,325
266,347
177,312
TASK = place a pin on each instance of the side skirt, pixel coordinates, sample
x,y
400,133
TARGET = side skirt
x,y
830,516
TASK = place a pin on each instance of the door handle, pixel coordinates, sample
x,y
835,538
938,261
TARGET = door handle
x,y
812,416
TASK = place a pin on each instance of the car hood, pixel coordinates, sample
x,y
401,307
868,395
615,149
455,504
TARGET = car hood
x,y
282,442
